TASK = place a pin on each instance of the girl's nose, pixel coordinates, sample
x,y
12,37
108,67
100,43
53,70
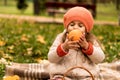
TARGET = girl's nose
x,y
76,26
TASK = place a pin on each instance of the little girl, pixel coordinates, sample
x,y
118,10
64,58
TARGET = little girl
x,y
85,52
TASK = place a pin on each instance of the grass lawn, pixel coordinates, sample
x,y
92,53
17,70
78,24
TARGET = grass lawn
x,y
29,42
26,42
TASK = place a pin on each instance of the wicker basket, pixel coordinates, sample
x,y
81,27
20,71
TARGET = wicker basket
x,y
92,77
65,74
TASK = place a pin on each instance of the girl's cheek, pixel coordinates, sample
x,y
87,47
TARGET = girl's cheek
x,y
70,28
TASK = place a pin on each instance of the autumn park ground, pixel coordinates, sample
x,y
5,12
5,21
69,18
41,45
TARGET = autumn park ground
x,y
25,39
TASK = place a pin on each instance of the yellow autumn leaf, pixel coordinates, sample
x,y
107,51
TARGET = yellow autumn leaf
x,y
6,56
8,78
3,61
14,77
41,39
29,50
38,60
2,52
100,37
24,37
11,47
103,47
2,43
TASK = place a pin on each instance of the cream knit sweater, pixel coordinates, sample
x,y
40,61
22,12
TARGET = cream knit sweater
x,y
59,65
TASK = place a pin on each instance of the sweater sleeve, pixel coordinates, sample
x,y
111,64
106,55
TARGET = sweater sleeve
x,y
60,51
97,55
88,51
53,56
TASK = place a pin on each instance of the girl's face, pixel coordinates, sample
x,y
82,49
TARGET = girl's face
x,y
76,25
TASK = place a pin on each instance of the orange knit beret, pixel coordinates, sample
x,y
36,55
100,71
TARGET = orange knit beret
x,y
81,14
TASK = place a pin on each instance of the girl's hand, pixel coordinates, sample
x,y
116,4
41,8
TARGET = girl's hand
x,y
69,44
83,42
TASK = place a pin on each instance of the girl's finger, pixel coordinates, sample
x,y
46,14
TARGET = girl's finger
x,y
74,46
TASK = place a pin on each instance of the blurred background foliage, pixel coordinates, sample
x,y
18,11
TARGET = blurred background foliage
x,y
106,9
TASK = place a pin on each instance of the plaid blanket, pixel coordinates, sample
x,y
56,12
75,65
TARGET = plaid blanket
x,y
31,71
110,71
35,71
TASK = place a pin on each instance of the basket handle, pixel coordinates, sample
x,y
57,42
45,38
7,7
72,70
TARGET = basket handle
x,y
80,68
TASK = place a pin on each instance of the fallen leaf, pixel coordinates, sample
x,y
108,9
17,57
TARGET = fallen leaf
x,y
29,51
41,39
3,61
38,60
100,37
2,43
24,37
7,56
14,77
11,47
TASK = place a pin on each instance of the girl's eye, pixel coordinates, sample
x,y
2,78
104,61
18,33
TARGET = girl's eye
x,y
80,25
72,24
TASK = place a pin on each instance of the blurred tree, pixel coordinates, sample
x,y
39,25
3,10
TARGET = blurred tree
x,y
22,5
5,2
79,1
36,7
56,0
39,6
117,4
94,2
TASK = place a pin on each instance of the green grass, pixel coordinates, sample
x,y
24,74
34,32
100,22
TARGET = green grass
x,y
109,36
19,41
22,36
